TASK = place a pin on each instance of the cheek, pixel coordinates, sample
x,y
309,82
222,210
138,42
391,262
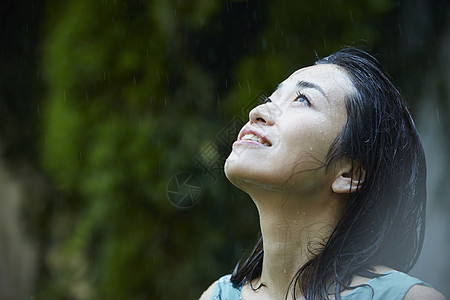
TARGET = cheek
x,y
312,138
304,156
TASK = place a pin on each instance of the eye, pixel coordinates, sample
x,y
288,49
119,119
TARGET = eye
x,y
267,100
263,99
299,97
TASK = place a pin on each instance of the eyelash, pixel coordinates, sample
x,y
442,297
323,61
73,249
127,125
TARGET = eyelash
x,y
300,95
263,99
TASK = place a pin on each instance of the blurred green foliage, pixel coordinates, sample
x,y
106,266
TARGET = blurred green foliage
x,y
135,90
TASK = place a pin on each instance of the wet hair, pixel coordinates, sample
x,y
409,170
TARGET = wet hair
x,y
383,222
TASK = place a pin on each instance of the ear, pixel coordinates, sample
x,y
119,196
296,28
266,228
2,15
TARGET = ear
x,y
348,173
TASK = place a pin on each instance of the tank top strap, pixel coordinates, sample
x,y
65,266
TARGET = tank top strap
x,y
224,290
393,286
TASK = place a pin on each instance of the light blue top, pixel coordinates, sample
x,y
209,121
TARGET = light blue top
x,y
394,285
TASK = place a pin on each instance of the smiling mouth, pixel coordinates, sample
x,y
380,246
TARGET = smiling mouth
x,y
255,138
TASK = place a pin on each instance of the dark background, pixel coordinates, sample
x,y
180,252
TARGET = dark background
x,y
105,104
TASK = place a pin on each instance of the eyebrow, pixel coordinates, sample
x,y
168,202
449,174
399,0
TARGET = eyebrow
x,y
305,84
279,87
310,85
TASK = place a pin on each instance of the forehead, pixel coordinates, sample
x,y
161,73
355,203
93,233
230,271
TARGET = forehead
x,y
330,78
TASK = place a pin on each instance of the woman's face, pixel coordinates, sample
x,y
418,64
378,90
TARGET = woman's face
x,y
285,143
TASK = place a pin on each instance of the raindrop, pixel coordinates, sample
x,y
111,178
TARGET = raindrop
x,y
38,110
64,95
437,115
351,16
239,84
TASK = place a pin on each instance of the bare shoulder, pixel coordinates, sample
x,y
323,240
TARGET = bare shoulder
x,y
423,292
207,294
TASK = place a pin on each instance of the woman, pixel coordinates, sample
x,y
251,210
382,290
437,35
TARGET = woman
x,y
336,169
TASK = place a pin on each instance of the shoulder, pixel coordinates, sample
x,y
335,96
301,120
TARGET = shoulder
x,y
221,288
418,291
394,284
208,293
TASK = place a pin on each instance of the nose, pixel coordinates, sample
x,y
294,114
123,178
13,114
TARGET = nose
x,y
262,114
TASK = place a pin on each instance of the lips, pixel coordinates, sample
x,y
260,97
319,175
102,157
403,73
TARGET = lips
x,y
254,136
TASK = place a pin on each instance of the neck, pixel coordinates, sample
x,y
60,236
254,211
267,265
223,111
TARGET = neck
x,y
293,230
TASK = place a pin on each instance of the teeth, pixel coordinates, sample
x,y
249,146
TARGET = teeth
x,y
252,137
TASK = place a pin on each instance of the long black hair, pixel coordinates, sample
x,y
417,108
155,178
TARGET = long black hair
x,y
383,222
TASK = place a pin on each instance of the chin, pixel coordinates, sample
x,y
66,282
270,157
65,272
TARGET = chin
x,y
246,175
233,170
